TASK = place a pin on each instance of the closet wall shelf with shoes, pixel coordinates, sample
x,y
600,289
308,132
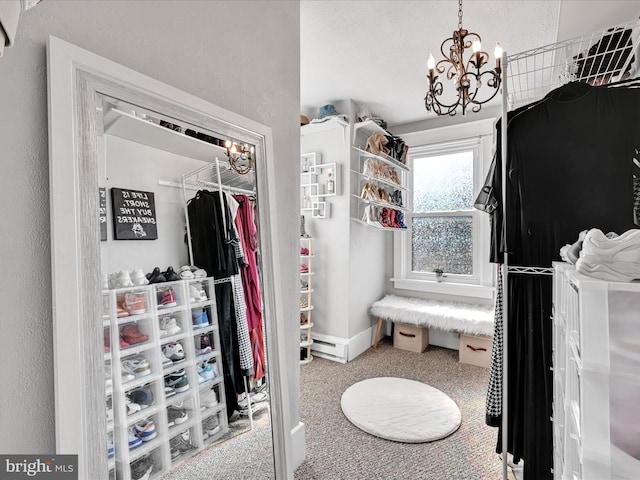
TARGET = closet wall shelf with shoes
x,y
306,289
379,178
165,397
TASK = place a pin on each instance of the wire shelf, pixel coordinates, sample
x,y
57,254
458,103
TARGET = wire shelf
x,y
603,57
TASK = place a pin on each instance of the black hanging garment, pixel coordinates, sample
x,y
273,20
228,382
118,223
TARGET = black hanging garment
x,y
212,240
569,169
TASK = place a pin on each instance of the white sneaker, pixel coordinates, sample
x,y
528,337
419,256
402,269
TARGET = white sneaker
x,y
138,277
611,257
592,266
124,279
169,326
185,272
113,280
197,293
610,249
208,399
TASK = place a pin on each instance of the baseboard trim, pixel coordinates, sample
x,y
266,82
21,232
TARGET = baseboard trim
x,y
341,349
360,343
299,445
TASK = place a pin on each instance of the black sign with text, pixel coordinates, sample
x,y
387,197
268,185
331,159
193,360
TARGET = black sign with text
x,y
134,215
103,214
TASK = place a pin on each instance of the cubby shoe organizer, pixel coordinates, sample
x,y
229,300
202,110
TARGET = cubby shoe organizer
x,y
165,396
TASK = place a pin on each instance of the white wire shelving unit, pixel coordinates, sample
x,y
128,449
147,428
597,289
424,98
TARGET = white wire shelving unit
x,y
604,57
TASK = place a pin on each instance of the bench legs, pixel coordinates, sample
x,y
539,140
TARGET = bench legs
x,y
375,341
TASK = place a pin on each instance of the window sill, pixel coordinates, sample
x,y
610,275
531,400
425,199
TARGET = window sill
x,y
445,288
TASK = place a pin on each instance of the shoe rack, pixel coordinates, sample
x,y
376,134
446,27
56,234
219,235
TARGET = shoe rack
x,y
381,194
133,320
595,376
306,290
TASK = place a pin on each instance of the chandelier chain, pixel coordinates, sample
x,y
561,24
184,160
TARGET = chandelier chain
x,y
459,14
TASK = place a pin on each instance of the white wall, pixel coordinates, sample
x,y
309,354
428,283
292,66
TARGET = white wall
x,y
243,56
331,237
139,167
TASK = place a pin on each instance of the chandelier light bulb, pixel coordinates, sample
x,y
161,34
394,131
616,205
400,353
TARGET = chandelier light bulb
x,y
477,46
227,143
431,63
233,148
498,51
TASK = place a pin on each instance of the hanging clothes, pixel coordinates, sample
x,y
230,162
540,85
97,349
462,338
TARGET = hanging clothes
x,y
250,280
569,169
240,304
212,238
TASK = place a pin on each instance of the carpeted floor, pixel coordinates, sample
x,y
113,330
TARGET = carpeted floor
x,y
338,450
242,453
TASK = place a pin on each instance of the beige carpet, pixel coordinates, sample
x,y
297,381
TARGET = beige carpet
x,y
338,450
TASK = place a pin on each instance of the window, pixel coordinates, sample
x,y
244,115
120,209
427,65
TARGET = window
x,y
442,221
444,230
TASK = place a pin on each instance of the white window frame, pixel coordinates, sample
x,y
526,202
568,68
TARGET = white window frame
x,y
475,136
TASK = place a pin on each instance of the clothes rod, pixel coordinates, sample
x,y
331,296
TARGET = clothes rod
x,y
168,183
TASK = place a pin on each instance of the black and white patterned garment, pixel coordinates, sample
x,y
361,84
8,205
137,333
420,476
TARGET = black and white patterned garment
x,y
494,389
636,200
240,307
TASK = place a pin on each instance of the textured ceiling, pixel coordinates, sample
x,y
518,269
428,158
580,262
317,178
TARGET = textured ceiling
x,y
375,52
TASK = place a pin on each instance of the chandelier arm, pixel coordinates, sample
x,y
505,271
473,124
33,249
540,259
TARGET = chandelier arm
x,y
434,92
493,82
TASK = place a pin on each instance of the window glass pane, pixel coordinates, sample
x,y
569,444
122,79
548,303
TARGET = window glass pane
x,y
442,242
443,182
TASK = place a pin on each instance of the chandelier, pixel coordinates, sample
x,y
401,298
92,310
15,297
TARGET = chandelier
x,y
467,76
240,157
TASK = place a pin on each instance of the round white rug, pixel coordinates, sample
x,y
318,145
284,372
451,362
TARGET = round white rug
x,y
401,410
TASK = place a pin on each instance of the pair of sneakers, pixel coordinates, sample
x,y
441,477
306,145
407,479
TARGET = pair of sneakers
x,y
124,279
180,444
169,326
176,414
174,351
136,365
126,376
189,272
157,276
139,399
197,293
134,303
208,398
210,426
166,298
145,430
200,319
610,257
177,380
205,345
206,372
132,335
142,468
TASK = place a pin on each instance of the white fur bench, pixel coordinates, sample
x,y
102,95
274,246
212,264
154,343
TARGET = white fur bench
x,y
469,319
